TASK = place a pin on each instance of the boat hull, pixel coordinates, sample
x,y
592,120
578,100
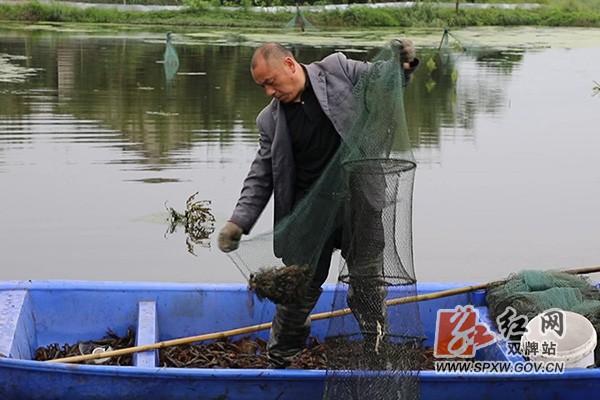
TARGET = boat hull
x,y
40,313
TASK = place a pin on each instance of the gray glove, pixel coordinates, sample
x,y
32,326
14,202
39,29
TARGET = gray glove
x,y
229,237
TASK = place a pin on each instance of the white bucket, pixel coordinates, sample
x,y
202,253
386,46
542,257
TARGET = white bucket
x,y
576,346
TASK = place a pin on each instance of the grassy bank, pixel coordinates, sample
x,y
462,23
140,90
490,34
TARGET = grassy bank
x,y
47,12
583,13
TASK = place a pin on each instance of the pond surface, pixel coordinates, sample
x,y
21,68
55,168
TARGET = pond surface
x,y
94,140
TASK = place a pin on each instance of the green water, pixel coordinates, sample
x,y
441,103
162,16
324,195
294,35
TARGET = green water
x,y
94,140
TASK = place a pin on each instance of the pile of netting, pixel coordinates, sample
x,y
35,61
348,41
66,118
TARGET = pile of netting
x,y
533,292
362,205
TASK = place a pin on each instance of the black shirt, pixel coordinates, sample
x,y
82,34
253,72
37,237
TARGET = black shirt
x,y
314,139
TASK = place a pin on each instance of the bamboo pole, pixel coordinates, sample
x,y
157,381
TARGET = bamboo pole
x,y
313,317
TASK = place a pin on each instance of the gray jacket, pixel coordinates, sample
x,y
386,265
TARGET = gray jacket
x,y
273,170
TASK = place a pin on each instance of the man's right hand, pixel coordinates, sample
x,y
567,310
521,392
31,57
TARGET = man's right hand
x,y
229,237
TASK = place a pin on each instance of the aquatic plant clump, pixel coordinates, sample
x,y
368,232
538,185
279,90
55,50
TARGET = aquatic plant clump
x,y
281,285
197,219
110,342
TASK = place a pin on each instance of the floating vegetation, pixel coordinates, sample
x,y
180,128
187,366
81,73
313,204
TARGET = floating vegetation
x,y
156,180
431,65
197,220
596,88
454,75
430,85
235,38
351,50
192,73
111,341
14,92
522,37
10,72
162,113
281,285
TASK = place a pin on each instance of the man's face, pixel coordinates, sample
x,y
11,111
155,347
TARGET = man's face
x,y
279,78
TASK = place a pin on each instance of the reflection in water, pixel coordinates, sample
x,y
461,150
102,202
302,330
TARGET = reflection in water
x,y
218,101
12,72
65,65
170,59
88,149
440,96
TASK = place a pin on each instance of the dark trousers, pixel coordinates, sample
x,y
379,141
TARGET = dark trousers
x,y
363,251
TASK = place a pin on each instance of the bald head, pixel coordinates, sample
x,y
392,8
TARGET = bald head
x,y
275,69
270,52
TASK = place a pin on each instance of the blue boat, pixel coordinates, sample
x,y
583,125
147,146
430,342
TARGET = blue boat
x,y
37,313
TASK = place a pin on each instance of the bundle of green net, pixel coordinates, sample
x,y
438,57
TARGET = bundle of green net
x,y
533,292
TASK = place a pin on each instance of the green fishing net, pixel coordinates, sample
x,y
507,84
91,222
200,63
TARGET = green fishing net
x,y
299,22
170,59
533,292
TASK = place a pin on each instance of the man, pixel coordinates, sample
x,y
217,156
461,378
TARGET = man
x,y
301,129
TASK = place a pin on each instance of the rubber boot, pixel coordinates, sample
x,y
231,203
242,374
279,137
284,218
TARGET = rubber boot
x,y
290,329
366,299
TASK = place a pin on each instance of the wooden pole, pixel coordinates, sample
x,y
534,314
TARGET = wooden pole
x,y
313,317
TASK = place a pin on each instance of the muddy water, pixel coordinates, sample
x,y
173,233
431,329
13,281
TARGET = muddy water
x,y
94,139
